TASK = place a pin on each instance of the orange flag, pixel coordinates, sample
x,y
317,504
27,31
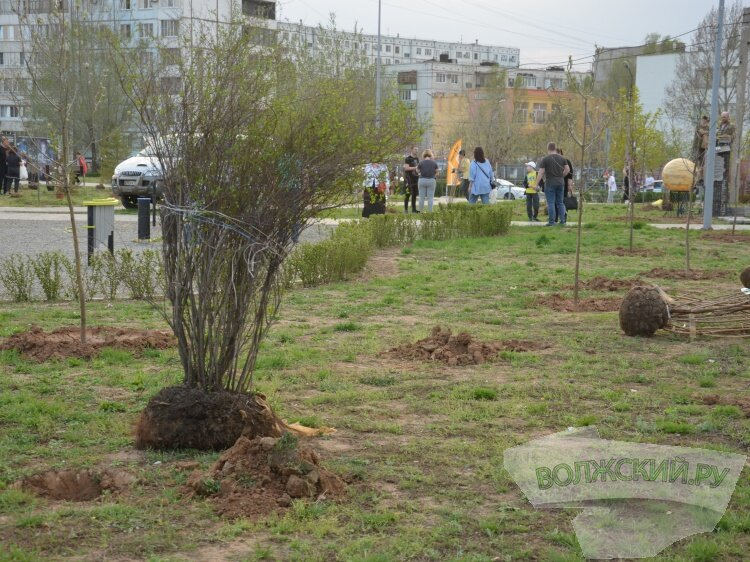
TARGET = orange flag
x,y
453,160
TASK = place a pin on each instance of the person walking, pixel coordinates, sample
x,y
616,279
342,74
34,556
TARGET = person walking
x,y
532,195
13,170
411,179
427,169
611,187
82,169
3,163
463,172
480,178
553,169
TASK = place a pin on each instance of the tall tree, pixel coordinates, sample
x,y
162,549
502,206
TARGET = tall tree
x,y
689,94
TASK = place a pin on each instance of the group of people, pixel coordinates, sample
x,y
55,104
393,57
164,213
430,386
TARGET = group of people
x,y
11,162
554,177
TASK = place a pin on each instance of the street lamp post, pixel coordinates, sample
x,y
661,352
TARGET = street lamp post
x,y
377,73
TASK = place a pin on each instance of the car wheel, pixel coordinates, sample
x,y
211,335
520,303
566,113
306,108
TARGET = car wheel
x,y
507,195
130,201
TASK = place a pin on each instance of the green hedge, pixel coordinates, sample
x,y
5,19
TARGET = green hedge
x,y
351,244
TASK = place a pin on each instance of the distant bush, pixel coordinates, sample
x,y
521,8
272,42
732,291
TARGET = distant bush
x,y
49,268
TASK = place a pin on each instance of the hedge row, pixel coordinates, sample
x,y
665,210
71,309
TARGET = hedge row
x,y
351,244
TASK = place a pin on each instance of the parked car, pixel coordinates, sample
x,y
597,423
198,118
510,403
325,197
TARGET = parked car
x,y
507,190
139,176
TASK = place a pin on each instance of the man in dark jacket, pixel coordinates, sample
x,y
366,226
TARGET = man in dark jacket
x,y
13,171
553,168
411,179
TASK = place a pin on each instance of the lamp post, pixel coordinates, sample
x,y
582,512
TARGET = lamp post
x,y
631,183
377,73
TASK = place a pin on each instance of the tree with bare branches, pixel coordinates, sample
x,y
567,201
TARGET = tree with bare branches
x,y
255,140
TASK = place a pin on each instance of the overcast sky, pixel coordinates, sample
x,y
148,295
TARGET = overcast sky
x,y
546,31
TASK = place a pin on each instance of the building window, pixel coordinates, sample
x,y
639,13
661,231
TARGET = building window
x,y
171,3
346,44
145,29
397,49
458,54
467,55
440,77
495,58
146,4
428,52
539,114
170,56
125,31
419,50
259,9
2,58
476,56
512,58
387,61
387,48
469,85
397,61
171,85
454,78
170,28
520,112
504,58
126,5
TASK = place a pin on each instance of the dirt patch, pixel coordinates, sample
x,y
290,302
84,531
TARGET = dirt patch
x,y
640,252
77,486
600,283
725,236
179,417
460,349
692,275
65,342
742,403
383,263
560,303
256,477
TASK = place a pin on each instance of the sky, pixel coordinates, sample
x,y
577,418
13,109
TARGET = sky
x,y
547,32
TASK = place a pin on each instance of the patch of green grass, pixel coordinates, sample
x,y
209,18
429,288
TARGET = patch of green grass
x,y
668,426
347,327
484,393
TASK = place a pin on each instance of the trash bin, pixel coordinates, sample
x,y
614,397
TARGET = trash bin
x,y
101,224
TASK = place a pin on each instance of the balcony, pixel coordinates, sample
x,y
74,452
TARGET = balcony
x,y
259,9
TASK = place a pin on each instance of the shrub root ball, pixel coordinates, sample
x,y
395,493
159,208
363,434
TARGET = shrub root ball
x,y
179,417
643,311
745,277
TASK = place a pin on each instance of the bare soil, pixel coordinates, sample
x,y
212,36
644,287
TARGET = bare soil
x,y
77,486
640,252
726,236
38,345
601,283
179,417
257,477
560,303
692,275
461,349
742,403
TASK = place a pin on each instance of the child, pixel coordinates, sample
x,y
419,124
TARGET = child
x,y
532,195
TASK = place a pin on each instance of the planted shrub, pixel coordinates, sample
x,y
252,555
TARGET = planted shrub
x,y
105,274
49,268
393,230
17,276
142,273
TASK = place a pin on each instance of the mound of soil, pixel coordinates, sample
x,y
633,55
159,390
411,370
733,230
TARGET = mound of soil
x,y
461,349
600,283
76,486
640,252
258,476
692,275
725,236
179,417
560,303
742,403
65,342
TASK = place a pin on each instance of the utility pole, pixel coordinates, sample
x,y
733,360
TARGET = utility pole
x,y
377,73
734,191
708,173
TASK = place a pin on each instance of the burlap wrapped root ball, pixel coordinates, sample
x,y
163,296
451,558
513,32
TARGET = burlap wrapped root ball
x,y
745,277
643,311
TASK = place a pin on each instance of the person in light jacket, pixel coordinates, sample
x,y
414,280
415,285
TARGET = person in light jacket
x,y
480,178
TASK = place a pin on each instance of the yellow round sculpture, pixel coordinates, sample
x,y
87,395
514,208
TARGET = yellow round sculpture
x,y
678,174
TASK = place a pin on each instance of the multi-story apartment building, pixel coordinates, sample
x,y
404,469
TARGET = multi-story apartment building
x,y
443,92
167,20
399,50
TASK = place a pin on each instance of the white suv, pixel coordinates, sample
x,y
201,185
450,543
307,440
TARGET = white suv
x,y
139,176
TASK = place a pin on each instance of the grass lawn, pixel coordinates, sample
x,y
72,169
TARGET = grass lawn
x,y
422,448
43,198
